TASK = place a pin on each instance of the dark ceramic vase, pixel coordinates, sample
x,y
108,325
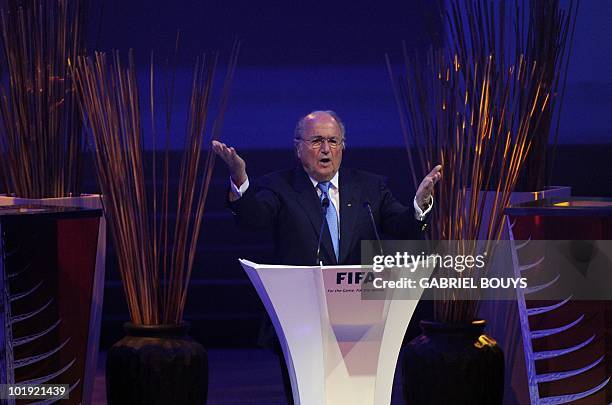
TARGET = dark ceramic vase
x,y
157,365
453,364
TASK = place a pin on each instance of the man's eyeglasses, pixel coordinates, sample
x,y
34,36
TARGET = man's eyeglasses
x,y
317,142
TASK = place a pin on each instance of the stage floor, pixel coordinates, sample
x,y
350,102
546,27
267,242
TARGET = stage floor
x,y
237,376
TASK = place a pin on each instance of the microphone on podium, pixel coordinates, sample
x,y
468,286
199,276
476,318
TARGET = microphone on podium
x,y
368,207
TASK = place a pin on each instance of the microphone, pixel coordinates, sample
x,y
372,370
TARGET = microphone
x,y
368,207
324,206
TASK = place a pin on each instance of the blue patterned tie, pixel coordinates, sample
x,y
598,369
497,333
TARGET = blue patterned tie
x,y
331,215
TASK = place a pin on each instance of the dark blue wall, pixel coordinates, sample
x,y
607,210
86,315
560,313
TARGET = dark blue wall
x,y
300,56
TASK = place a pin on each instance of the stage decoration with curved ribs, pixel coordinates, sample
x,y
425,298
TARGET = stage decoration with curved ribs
x,y
48,265
566,340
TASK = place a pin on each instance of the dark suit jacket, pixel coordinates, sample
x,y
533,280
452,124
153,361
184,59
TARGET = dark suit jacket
x,y
287,202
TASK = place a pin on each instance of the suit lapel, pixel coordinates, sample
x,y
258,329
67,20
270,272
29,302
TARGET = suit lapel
x,y
309,200
350,204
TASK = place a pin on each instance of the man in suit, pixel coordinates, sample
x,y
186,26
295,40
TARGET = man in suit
x,y
295,202
318,212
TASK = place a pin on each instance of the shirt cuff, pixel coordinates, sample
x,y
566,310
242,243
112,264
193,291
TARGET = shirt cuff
x,y
239,191
419,214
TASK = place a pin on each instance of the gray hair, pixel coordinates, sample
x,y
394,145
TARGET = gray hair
x,y
301,125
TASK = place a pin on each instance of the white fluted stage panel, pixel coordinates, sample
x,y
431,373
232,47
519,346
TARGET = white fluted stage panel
x,y
339,348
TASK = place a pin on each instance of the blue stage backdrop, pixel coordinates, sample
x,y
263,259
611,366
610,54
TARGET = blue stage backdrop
x,y
300,56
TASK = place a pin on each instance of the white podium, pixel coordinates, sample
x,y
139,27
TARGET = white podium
x,y
339,348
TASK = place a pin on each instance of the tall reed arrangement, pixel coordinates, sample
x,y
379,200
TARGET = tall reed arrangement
x,y
550,38
41,137
539,31
155,258
479,107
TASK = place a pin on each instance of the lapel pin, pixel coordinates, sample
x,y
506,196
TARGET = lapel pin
x,y
348,205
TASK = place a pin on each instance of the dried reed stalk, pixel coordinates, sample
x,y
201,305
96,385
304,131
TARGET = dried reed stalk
x,y
475,108
41,138
155,260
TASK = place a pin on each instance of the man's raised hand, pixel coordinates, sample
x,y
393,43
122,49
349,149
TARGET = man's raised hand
x,y
425,190
235,164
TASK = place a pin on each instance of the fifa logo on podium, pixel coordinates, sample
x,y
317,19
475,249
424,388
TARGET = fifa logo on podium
x,y
354,277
